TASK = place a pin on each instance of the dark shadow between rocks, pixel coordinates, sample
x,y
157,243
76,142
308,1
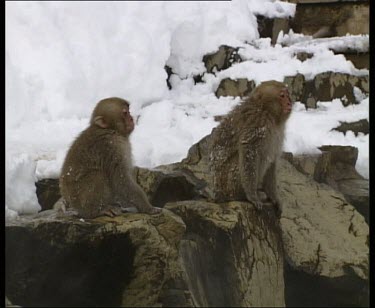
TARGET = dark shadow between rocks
x,y
305,290
50,274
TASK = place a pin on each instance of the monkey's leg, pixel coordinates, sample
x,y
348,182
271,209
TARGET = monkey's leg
x,y
96,199
136,197
270,187
249,172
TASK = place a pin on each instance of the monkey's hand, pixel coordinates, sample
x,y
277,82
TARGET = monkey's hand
x,y
277,205
154,210
254,199
111,211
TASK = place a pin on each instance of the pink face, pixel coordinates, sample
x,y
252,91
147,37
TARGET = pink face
x,y
128,119
285,101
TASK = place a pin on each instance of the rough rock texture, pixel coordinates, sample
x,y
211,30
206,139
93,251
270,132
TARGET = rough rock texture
x,y
361,126
222,59
342,17
48,192
328,86
230,256
271,27
325,238
359,59
130,260
239,87
296,86
336,167
227,257
162,187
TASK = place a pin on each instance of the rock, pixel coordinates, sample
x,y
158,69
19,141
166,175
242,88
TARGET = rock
x,y
222,59
296,86
328,86
239,87
305,163
226,257
48,192
342,17
325,244
162,187
361,126
231,254
361,60
336,167
325,238
169,72
271,27
130,260
303,56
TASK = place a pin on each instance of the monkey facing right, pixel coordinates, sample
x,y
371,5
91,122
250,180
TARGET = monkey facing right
x,y
247,145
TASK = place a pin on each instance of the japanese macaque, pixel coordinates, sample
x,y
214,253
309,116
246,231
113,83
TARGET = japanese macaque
x,y
96,177
247,144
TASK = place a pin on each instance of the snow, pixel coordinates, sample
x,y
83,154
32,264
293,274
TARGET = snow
x,y
63,57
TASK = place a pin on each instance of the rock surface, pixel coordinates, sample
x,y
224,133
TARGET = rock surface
x,y
226,257
222,59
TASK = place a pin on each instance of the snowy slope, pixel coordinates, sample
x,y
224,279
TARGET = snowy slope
x,y
62,57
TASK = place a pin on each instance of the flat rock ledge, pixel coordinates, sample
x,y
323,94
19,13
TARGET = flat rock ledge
x,y
209,255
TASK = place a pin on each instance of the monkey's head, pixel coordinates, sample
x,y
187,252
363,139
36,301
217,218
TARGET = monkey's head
x,y
113,113
274,98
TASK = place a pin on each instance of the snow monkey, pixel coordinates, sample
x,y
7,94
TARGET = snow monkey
x,y
96,177
247,144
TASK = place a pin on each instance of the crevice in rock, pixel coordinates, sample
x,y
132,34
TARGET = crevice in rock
x,y
88,273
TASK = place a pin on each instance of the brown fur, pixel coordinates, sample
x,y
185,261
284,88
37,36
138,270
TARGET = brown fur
x,y
247,144
96,177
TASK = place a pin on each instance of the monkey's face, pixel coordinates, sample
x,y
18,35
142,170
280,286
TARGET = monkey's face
x,y
113,113
127,119
285,101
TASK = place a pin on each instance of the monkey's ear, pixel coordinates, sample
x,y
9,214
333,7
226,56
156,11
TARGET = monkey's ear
x,y
99,121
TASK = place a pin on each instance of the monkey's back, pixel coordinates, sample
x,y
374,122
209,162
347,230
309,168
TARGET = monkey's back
x,y
84,178
248,121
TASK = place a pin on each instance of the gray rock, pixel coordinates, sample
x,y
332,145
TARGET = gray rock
x,y
239,87
341,16
271,27
131,260
296,86
328,86
224,58
48,192
230,256
361,126
216,255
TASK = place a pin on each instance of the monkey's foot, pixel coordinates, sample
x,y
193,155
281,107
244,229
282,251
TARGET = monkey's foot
x,y
154,210
257,203
111,212
277,206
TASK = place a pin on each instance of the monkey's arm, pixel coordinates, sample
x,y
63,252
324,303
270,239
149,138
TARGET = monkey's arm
x,y
135,196
249,160
270,187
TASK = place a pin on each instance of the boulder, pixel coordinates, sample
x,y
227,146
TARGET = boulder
x,y
214,255
239,87
271,27
130,260
361,126
48,192
328,86
341,17
231,254
222,59
325,239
